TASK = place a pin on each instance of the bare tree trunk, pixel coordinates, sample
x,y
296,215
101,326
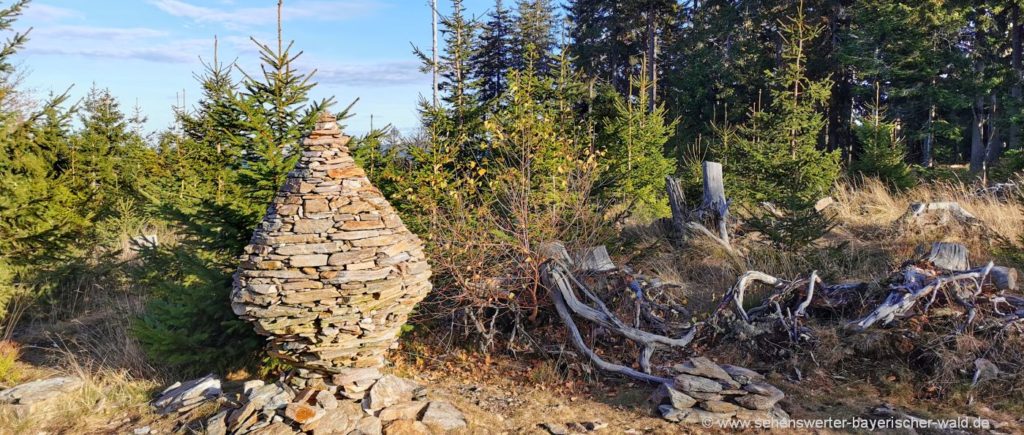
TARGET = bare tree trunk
x,y
652,60
993,147
1018,75
433,22
929,139
977,136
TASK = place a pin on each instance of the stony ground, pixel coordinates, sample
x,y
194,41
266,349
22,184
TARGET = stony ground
x,y
500,395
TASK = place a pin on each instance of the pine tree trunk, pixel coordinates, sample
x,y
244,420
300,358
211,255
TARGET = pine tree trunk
x,y
977,136
433,21
652,60
929,139
993,147
1018,73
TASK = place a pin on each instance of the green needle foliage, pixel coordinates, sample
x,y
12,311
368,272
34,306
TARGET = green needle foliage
x,y
884,153
235,151
633,140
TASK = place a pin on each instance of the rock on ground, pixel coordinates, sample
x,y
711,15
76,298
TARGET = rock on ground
x,y
390,390
40,391
182,397
443,415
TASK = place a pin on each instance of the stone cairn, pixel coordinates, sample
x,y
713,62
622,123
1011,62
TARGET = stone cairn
x,y
704,392
330,276
331,273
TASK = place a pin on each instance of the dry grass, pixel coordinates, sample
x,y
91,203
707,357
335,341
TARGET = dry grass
x,y
908,364
866,245
110,401
867,209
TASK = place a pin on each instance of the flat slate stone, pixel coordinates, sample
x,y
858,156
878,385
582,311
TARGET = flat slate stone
x,y
687,383
665,394
183,396
765,389
741,374
390,390
39,391
703,367
444,415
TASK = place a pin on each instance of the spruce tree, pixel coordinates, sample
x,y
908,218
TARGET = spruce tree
x,y
492,61
884,151
633,140
775,157
275,114
534,36
236,148
456,124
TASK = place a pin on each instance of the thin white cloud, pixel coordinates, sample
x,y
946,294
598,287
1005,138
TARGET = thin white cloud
x,y
178,52
396,73
104,33
335,10
41,12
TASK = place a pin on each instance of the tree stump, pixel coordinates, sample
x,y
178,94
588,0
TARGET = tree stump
x,y
949,256
714,202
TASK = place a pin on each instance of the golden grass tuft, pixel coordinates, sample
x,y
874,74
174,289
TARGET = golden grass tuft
x,y
110,401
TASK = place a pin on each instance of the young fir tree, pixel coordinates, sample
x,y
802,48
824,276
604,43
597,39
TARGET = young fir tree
x,y
276,113
634,141
492,61
774,157
883,150
239,146
107,158
457,120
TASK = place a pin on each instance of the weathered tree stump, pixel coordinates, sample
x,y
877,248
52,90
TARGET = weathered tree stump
x,y
949,256
714,207
713,210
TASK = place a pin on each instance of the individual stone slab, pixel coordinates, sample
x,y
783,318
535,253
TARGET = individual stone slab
x,y
390,390
330,242
402,411
302,413
741,374
40,391
700,366
688,383
444,416
368,425
666,395
764,389
181,397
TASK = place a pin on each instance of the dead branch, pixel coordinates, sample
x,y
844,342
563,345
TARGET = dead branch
x,y
562,285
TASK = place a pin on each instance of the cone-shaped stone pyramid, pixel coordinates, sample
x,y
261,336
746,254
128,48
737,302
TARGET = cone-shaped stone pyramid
x,y
331,273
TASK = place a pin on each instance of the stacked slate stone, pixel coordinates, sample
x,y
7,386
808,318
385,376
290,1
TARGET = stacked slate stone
x,y
392,406
706,392
331,273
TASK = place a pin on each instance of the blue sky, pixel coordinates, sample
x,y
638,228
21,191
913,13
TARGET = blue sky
x,y
146,51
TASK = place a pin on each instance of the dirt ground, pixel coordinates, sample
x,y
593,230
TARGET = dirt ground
x,y
500,395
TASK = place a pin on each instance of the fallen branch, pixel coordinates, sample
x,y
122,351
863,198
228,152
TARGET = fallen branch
x,y
560,283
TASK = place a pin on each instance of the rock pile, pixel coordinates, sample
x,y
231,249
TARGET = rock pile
x,y
331,273
390,405
705,392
